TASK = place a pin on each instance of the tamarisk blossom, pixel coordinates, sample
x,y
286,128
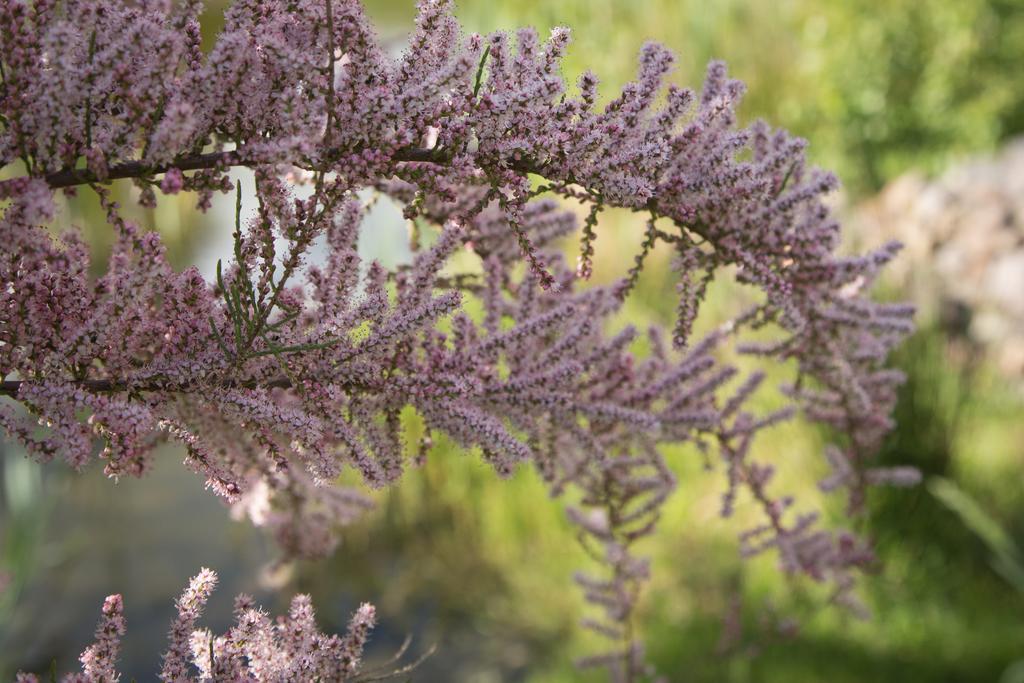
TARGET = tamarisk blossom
x,y
99,658
253,649
281,374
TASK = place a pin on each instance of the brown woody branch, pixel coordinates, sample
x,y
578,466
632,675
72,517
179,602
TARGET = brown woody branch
x,y
102,386
194,162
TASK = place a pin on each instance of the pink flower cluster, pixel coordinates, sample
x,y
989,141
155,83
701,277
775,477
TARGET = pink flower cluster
x,y
282,373
291,648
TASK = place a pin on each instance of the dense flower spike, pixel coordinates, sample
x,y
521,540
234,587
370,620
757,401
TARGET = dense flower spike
x,y
283,372
254,649
99,659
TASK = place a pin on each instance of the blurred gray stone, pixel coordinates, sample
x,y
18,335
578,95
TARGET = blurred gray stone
x,y
963,258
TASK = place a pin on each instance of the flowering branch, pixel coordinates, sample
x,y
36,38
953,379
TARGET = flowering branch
x,y
254,648
281,374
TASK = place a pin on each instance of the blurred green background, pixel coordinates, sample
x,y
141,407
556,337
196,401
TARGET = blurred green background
x,y
482,567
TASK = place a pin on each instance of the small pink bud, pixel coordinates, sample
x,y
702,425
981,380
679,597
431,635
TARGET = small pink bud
x,y
173,181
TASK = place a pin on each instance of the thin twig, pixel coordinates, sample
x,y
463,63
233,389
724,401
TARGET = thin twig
x,y
404,670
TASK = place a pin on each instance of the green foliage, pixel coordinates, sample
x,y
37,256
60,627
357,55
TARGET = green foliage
x,y
909,83
877,87
1006,559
